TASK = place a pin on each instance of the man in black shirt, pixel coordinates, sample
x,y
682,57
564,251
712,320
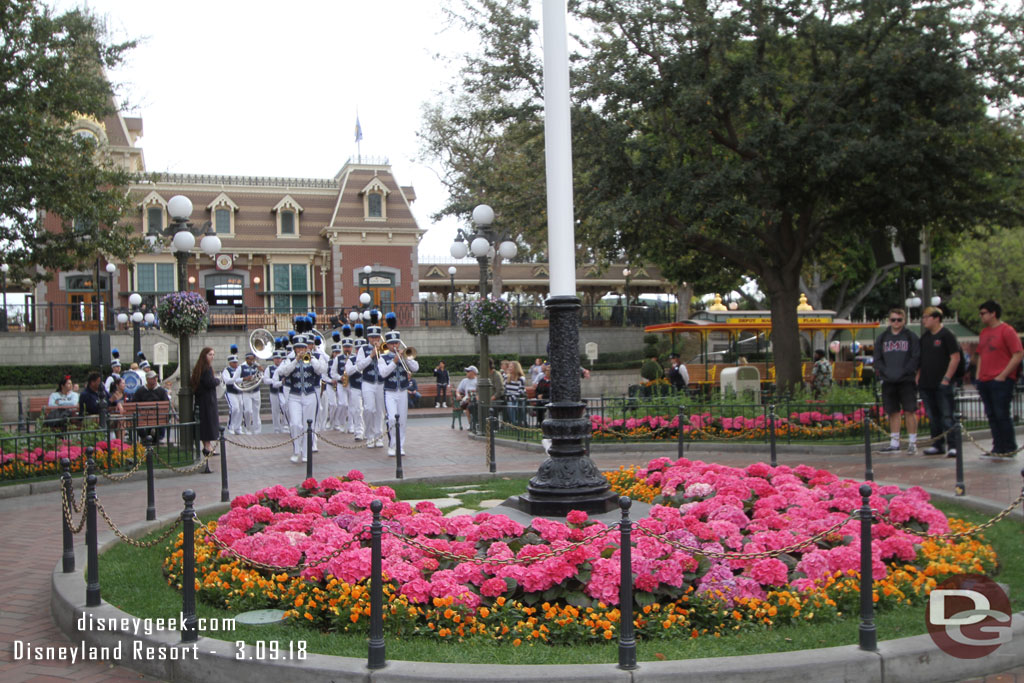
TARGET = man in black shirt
x,y
148,394
940,356
93,397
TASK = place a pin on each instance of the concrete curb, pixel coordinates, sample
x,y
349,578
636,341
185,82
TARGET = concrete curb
x,y
905,660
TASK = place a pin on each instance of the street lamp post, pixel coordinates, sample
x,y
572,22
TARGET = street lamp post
x,y
4,269
451,277
183,235
481,244
626,272
135,300
111,268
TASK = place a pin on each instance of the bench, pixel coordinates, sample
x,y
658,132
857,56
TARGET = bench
x,y
37,405
428,392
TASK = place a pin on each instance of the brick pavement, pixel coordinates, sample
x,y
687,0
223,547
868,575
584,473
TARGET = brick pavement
x,y
32,545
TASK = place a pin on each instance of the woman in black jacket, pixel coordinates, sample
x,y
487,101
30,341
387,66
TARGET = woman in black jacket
x,y
204,388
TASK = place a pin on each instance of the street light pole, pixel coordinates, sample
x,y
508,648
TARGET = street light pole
x,y
625,311
135,300
111,268
4,269
451,276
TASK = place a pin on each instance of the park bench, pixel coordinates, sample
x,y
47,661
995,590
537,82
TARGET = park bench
x,y
37,405
244,321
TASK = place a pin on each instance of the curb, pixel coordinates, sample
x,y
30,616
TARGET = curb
x,y
906,660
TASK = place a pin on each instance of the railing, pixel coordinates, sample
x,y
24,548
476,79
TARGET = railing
x,y
33,450
51,317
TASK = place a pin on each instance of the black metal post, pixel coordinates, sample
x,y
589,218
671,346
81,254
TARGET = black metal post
x,y
92,585
147,442
68,556
680,435
375,656
771,435
399,473
867,631
21,414
627,634
190,623
492,461
955,441
869,473
224,495
309,449
451,311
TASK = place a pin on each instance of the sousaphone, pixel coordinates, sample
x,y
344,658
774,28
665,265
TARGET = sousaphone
x,y
261,342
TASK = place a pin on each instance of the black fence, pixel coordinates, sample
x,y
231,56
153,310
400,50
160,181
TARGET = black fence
x,y
33,450
83,317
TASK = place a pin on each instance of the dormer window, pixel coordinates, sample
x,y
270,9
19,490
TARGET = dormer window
x,y
375,200
287,211
222,214
154,212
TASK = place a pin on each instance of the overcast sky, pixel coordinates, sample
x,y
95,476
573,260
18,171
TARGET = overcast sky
x,y
273,89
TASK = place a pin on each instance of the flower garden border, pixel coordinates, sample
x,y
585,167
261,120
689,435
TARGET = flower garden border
x,y
915,658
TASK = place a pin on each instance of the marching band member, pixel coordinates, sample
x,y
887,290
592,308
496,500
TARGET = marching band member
x,y
230,376
115,370
302,377
355,385
340,418
329,391
274,383
396,385
373,385
251,423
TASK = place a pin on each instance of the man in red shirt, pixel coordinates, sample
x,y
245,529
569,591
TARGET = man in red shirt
x,y
999,355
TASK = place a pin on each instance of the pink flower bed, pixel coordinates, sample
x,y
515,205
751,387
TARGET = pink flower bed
x,y
703,505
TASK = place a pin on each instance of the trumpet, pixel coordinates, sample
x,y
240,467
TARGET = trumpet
x,y
307,358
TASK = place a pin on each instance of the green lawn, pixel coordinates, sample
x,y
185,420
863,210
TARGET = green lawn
x,y
133,580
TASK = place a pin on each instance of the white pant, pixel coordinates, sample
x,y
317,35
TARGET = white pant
x,y
301,408
373,411
328,404
251,411
340,418
355,411
397,403
234,411
280,423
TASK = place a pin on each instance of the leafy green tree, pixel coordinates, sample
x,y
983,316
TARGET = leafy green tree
x,y
985,268
53,73
760,132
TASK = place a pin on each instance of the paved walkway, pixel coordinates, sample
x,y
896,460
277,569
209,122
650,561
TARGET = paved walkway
x,y
32,543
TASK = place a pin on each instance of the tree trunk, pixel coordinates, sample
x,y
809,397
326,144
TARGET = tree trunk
x,y
784,291
684,295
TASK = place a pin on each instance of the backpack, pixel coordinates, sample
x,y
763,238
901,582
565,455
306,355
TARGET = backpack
x,y
961,367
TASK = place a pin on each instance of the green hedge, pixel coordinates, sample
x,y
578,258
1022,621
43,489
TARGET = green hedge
x,y
50,375
456,362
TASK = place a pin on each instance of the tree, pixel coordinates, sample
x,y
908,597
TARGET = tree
x,y
985,268
762,132
52,68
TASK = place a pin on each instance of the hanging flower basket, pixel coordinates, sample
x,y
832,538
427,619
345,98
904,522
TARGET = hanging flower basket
x,y
485,316
183,314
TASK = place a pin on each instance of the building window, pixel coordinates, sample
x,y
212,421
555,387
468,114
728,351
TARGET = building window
x,y
291,288
224,290
154,219
222,221
287,219
374,205
287,211
154,280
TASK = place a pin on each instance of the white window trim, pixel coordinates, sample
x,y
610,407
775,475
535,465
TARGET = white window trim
x,y
152,200
375,186
288,205
222,201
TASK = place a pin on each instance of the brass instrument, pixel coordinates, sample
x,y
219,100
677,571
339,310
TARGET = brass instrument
x,y
307,358
251,382
261,343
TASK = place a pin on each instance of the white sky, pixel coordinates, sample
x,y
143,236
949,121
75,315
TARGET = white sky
x,y
272,89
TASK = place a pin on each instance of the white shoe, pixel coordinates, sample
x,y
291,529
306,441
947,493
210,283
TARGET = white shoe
x,y
437,405
294,458
444,405
315,450
391,452
305,459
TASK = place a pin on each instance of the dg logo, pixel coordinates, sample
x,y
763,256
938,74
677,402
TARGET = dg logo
x,y
968,616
